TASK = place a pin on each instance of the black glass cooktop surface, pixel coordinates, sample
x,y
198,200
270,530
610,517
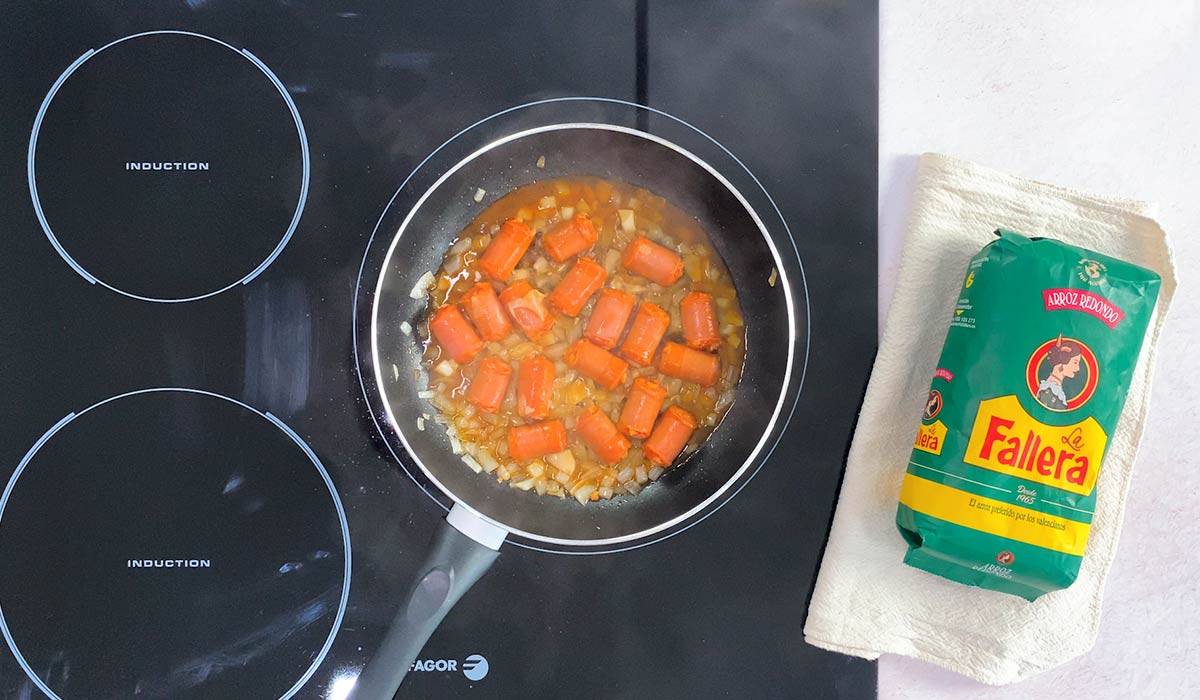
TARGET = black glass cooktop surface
x,y
168,165
188,542
197,502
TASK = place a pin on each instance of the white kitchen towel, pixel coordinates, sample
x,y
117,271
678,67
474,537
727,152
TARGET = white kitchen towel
x,y
866,601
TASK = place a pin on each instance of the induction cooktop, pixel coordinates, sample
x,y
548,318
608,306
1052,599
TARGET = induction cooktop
x,y
198,502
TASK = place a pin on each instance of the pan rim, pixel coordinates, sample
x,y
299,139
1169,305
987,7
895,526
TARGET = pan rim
x,y
784,386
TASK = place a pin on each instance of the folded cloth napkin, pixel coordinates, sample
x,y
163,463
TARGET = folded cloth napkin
x,y
866,601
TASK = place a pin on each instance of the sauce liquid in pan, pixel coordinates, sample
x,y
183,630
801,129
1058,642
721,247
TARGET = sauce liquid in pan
x,y
591,388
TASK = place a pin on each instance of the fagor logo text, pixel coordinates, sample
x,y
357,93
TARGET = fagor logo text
x,y
474,667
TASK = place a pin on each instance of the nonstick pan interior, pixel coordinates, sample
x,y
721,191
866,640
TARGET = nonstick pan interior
x,y
610,152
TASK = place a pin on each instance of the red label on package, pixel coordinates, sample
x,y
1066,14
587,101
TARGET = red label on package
x,y
1079,300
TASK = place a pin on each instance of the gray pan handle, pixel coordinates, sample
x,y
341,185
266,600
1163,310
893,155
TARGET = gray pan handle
x,y
462,550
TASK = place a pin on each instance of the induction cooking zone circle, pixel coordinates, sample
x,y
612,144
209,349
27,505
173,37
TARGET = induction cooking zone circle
x,y
168,166
171,543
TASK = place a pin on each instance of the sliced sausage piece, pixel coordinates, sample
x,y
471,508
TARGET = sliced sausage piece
x,y
484,309
455,334
596,363
570,238
528,309
689,365
609,316
600,434
700,321
649,326
536,440
505,251
641,408
489,384
535,386
577,286
670,436
652,261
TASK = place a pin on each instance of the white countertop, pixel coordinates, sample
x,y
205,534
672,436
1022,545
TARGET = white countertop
x,y
1103,96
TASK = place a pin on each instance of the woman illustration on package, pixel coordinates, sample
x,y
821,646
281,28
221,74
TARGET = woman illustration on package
x,y
1063,359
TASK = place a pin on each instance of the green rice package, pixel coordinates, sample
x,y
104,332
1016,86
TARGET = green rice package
x,y
1001,483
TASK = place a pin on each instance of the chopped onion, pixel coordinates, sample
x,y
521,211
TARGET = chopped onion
x,y
655,473
640,474
566,212
406,328
563,461
486,460
540,487
606,492
774,276
425,394
470,462
395,372
628,224
536,468
632,487
479,193
522,350
423,284
444,368
420,423
443,404
541,161
547,202
625,474
611,259
582,493
455,445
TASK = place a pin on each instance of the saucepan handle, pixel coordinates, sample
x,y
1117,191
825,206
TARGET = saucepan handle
x,y
455,562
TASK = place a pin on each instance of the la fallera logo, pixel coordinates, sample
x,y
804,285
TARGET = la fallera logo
x,y
1062,374
933,405
1005,438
